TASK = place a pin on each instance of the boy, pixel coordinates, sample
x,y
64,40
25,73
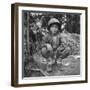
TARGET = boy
x,y
52,47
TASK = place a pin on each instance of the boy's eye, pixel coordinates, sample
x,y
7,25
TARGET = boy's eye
x,y
54,26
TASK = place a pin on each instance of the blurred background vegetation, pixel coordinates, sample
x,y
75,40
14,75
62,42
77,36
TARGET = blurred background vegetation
x,y
72,20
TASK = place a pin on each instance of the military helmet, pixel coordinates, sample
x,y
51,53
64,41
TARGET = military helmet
x,y
53,21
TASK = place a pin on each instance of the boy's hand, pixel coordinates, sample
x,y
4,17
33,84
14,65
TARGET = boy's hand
x,y
60,49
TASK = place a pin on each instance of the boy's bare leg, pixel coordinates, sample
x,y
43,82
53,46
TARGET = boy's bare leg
x,y
49,64
59,64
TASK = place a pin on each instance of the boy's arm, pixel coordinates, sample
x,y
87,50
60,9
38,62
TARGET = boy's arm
x,y
46,39
63,50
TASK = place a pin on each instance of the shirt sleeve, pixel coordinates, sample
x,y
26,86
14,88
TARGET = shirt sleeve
x,y
63,50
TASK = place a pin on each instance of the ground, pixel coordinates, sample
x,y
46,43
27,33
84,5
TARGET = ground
x,y
69,66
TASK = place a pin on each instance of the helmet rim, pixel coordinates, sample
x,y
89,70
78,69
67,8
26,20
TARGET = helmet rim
x,y
54,21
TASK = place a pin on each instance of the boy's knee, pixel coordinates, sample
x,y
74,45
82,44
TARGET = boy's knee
x,y
44,51
46,48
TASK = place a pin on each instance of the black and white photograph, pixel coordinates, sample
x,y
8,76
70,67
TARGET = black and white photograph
x,y
50,44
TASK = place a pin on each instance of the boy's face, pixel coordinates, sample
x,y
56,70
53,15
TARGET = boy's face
x,y
54,29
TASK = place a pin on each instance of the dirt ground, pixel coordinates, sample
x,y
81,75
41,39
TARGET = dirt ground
x,y
69,66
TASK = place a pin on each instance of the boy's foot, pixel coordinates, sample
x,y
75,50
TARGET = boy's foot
x,y
49,68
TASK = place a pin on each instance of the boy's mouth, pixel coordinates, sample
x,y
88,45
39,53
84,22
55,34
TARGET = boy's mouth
x,y
55,33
